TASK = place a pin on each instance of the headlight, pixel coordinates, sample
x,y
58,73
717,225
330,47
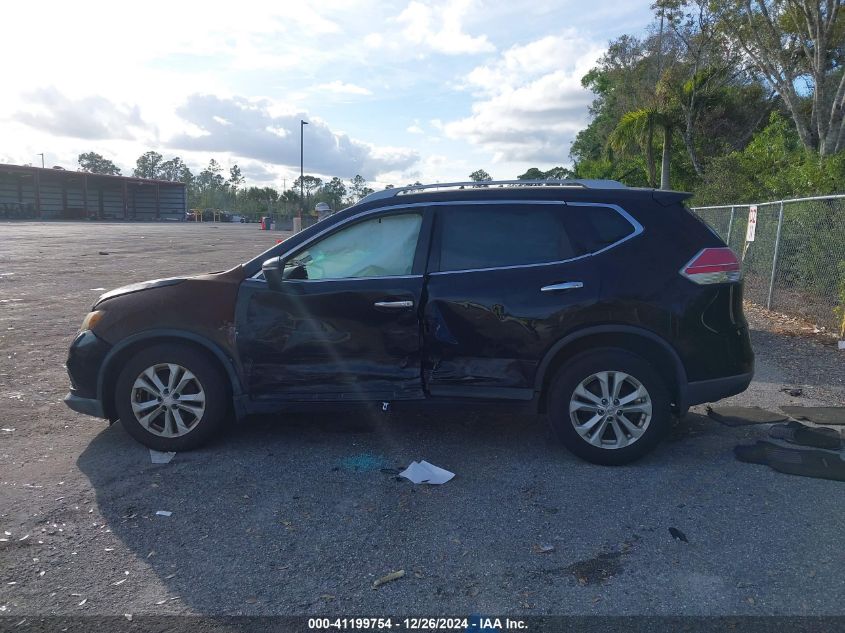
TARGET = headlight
x,y
91,319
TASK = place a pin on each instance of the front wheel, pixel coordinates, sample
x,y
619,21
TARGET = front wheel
x,y
608,406
171,397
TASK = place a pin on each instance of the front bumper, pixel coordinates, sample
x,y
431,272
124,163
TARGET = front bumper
x,y
88,406
712,390
84,361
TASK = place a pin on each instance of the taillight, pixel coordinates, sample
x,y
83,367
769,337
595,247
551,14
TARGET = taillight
x,y
713,266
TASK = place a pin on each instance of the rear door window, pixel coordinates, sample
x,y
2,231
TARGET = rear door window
x,y
493,236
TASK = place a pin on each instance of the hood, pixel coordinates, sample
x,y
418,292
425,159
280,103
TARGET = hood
x,y
138,287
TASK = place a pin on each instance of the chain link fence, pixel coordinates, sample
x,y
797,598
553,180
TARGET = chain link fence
x,y
796,262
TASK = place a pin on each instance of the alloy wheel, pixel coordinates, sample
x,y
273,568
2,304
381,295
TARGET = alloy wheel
x,y
168,400
610,409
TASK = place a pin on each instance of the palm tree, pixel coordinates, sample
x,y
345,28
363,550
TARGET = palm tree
x,y
636,130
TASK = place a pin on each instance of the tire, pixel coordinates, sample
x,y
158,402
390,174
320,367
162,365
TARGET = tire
x,y
201,407
575,401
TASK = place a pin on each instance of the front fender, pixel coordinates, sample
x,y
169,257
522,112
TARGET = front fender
x,y
108,369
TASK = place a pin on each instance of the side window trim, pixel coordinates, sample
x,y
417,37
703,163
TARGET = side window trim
x,y
433,246
636,226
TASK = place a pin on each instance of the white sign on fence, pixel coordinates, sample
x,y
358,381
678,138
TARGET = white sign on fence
x,y
752,224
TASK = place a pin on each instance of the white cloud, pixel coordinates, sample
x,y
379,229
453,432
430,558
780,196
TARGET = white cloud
x,y
529,102
92,117
260,130
440,28
415,128
341,87
373,40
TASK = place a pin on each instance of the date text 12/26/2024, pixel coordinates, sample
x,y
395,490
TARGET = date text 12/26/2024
x,y
473,623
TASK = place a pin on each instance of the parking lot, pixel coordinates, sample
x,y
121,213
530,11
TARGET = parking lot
x,y
299,514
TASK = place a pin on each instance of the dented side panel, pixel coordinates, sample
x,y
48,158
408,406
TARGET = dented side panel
x,y
489,329
327,340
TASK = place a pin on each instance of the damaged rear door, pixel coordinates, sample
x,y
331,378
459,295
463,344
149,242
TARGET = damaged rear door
x,y
506,281
345,323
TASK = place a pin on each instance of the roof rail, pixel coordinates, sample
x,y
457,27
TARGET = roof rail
x,y
563,182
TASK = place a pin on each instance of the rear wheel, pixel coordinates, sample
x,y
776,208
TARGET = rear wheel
x,y
171,397
608,406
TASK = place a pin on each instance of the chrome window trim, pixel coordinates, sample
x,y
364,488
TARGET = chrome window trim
x,y
638,229
314,281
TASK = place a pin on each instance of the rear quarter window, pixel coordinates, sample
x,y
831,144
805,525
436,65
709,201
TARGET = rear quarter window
x,y
606,225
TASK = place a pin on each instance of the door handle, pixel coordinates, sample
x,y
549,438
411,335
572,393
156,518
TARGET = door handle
x,y
567,285
394,305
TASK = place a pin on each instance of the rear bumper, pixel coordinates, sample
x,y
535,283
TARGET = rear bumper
x,y
712,390
88,406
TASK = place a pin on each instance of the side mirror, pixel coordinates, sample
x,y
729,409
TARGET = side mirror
x,y
277,270
272,269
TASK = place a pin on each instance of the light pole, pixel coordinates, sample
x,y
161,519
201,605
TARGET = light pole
x,y
302,125
42,159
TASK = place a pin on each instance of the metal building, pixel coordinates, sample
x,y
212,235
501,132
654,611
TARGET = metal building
x,y
56,194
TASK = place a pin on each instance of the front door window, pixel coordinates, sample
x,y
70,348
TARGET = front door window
x,y
379,247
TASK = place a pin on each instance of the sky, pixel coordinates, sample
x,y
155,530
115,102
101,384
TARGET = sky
x,y
396,91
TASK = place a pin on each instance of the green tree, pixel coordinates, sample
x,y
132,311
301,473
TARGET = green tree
x,y
622,82
683,90
176,171
334,193
797,47
636,130
358,189
311,184
479,175
774,165
210,186
94,163
148,165
236,178
555,173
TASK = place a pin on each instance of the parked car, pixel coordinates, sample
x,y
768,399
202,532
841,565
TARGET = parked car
x,y
608,308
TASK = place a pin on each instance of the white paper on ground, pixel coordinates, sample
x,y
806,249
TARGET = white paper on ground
x,y
425,473
164,513
157,457
841,344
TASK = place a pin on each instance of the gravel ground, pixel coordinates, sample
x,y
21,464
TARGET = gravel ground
x,y
295,515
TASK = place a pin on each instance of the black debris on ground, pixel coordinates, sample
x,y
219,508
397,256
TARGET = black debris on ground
x,y
743,416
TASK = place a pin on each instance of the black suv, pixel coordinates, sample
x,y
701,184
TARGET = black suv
x,y
606,307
